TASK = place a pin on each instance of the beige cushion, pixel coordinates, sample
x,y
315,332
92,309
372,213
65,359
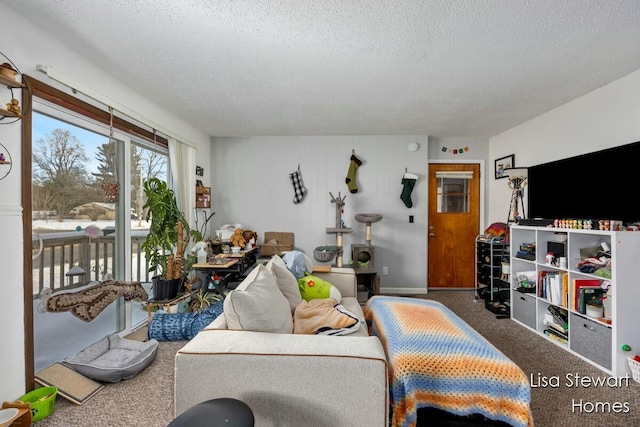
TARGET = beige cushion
x,y
324,317
285,280
258,305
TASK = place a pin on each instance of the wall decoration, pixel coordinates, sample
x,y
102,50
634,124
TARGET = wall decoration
x,y
504,163
455,150
350,180
298,186
5,161
199,170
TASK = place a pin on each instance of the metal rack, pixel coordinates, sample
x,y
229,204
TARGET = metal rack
x,y
492,282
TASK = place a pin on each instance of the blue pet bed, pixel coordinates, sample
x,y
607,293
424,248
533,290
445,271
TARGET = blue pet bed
x,y
182,326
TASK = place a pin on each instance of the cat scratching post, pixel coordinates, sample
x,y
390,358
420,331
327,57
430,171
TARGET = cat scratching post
x,y
339,229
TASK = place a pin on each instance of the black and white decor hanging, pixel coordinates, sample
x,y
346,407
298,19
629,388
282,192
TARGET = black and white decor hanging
x,y
298,186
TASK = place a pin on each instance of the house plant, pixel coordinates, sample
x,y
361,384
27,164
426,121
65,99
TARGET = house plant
x,y
169,235
201,301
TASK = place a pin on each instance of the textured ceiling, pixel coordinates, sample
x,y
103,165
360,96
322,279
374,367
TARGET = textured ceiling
x,y
446,68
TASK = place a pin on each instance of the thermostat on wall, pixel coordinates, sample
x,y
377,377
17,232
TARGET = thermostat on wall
x,y
414,146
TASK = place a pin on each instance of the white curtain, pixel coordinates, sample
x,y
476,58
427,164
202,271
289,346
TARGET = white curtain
x,y
182,161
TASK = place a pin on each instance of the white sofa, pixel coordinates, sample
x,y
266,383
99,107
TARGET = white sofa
x,y
290,379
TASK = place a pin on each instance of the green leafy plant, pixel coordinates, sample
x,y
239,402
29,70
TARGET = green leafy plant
x,y
202,301
169,232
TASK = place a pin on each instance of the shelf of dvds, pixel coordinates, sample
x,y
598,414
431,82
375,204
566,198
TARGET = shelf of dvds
x,y
579,289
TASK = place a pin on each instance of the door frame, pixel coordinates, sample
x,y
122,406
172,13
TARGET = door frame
x,y
483,185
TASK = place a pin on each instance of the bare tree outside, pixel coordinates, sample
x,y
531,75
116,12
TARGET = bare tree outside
x,y
59,169
150,164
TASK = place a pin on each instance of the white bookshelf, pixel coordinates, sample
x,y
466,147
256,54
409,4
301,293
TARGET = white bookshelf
x,y
595,340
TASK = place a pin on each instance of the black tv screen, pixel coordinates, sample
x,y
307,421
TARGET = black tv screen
x,y
599,185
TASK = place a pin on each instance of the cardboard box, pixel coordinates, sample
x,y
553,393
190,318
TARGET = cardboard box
x,y
280,242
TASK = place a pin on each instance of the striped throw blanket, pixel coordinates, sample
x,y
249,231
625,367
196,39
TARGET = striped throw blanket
x,y
438,361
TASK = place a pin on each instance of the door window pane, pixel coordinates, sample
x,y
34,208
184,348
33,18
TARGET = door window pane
x,y
453,195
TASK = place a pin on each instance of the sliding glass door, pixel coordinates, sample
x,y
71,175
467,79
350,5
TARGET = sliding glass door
x,y
87,225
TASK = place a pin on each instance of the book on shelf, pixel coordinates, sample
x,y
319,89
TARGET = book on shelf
x,y
581,283
558,329
554,287
555,336
588,294
561,329
559,316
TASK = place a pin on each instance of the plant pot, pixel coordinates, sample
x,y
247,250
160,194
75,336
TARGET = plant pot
x,y
165,289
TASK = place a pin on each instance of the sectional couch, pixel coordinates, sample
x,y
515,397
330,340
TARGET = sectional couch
x,y
288,379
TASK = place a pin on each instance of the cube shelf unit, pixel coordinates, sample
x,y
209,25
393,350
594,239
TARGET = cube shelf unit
x,y
598,341
490,286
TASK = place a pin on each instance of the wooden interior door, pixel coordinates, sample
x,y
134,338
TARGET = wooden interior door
x,y
453,224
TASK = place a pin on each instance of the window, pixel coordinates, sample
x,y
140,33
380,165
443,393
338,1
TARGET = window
x,y
453,191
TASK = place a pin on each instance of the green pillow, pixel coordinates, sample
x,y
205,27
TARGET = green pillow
x,y
313,287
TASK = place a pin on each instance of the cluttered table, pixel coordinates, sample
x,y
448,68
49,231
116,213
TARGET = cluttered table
x,y
221,269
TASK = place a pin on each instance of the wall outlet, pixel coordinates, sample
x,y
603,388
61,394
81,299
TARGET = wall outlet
x,y
385,271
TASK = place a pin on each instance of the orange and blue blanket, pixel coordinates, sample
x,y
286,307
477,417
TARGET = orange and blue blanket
x,y
436,360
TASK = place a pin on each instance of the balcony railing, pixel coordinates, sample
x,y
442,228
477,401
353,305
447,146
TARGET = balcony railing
x,y
63,250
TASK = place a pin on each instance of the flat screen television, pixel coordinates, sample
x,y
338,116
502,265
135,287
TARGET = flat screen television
x,y
603,184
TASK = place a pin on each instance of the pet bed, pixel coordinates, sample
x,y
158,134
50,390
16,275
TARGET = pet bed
x,y
113,358
438,361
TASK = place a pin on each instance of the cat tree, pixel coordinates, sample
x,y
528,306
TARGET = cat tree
x,y
339,229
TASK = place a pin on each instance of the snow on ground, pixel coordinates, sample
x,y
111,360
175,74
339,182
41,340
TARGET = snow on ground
x,y
42,225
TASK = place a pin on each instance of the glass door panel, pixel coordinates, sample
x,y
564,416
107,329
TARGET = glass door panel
x,y
73,223
146,162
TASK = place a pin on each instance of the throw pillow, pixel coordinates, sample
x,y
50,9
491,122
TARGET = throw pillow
x,y
324,317
258,305
313,287
285,280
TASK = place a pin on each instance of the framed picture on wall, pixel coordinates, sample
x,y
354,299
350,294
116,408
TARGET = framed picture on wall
x,y
504,163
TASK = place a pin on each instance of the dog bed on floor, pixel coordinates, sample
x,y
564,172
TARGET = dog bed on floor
x,y
113,358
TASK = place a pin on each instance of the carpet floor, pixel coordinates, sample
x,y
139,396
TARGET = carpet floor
x,y
147,399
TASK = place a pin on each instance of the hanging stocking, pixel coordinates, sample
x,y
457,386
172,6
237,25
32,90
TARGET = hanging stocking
x,y
408,181
298,186
351,175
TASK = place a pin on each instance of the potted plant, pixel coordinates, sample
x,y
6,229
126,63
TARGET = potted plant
x,y
204,309
169,235
201,301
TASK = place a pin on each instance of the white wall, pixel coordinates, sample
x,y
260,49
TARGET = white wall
x,y
604,118
28,45
251,186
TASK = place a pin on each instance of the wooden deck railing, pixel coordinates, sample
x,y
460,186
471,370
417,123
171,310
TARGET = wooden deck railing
x,y
63,250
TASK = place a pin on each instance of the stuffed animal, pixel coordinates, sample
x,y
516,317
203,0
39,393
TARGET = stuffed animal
x,y
497,229
237,238
248,235
313,287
